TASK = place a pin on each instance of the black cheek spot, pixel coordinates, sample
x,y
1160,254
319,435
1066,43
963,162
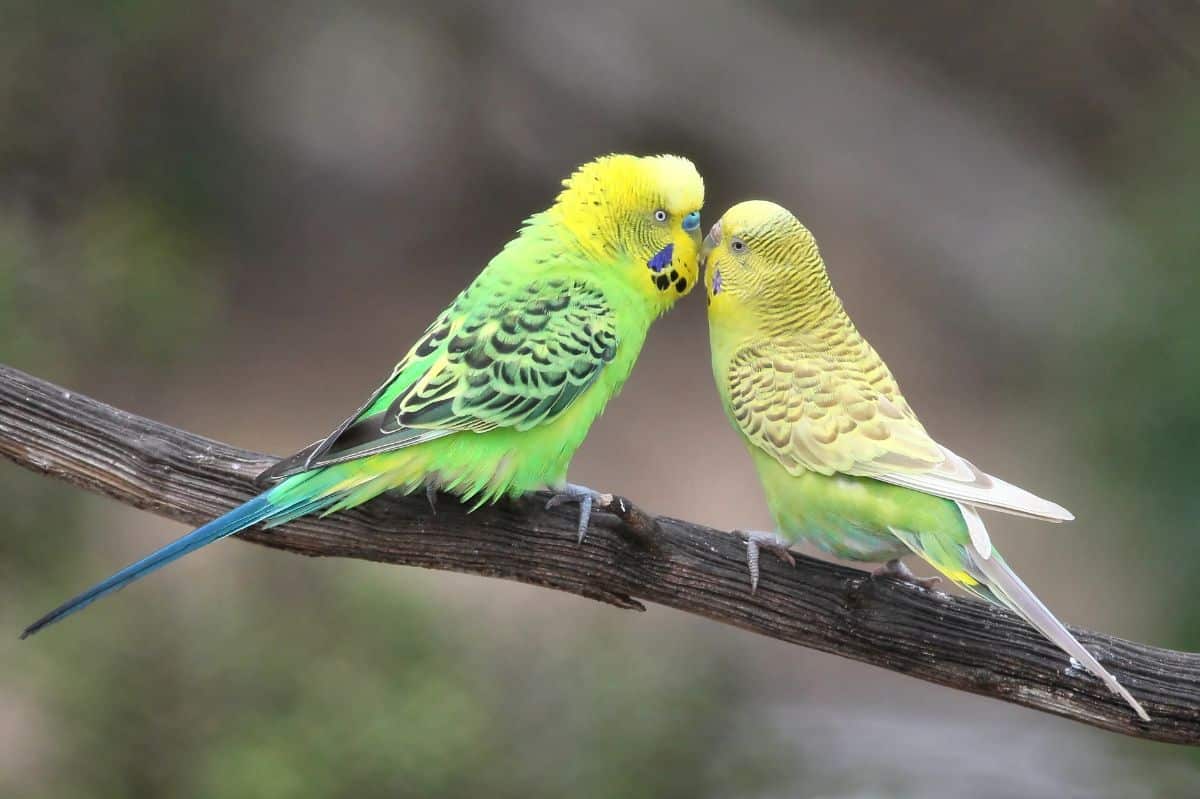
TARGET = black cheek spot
x,y
674,275
681,285
662,282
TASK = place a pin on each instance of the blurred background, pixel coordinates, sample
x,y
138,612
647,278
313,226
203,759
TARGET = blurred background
x,y
235,217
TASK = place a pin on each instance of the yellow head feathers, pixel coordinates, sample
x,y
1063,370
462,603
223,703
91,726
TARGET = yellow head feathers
x,y
617,184
762,263
642,212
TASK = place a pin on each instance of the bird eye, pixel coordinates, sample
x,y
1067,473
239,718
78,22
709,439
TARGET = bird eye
x,y
738,245
660,215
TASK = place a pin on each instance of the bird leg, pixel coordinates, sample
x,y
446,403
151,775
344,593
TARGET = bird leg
x,y
897,570
431,493
758,539
587,499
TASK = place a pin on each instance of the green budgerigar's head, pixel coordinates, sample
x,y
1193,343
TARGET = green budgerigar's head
x,y
639,215
761,265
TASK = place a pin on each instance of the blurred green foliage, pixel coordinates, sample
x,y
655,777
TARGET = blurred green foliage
x,y
118,282
128,172
1142,358
358,687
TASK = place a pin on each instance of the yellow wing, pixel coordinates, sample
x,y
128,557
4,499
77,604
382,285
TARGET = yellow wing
x,y
842,413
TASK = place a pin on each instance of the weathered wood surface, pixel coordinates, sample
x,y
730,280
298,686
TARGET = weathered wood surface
x,y
629,556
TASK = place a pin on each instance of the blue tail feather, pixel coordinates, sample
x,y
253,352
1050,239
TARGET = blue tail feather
x,y
290,513
238,519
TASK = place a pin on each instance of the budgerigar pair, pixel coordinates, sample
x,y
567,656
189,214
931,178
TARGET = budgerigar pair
x,y
498,393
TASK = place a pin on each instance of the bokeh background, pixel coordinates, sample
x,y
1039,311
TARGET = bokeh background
x,y
233,217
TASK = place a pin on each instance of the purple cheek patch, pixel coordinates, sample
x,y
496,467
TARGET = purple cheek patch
x,y
716,281
661,259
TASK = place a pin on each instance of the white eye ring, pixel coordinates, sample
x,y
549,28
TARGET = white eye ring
x,y
660,215
738,245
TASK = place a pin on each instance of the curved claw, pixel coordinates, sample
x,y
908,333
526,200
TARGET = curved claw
x,y
757,540
587,499
897,570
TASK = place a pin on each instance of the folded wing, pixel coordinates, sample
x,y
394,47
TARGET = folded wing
x,y
512,356
843,413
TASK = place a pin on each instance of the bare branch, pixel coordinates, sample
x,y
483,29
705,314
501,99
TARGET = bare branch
x,y
629,556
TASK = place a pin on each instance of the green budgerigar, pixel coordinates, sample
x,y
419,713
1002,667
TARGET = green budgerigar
x,y
843,460
495,397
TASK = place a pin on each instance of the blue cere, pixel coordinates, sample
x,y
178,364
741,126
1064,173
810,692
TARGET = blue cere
x,y
691,221
661,259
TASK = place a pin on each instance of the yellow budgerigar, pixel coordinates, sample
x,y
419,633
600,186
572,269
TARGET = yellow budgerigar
x,y
843,459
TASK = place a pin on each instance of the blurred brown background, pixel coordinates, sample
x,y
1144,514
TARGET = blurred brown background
x,y
235,217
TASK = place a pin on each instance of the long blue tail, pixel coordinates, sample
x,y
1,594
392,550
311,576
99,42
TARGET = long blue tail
x,y
238,519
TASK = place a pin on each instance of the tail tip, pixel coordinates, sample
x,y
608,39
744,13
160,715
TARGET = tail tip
x,y
42,623
1137,707
1123,692
1057,513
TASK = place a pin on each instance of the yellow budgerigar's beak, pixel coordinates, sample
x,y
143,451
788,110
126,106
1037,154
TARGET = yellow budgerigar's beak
x,y
711,242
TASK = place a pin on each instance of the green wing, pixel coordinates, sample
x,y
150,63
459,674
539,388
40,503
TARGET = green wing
x,y
502,355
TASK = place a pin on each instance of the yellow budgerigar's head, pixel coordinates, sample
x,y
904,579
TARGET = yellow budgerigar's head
x,y
641,213
763,268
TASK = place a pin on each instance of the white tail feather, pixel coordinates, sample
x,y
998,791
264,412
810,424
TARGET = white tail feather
x,y
1006,585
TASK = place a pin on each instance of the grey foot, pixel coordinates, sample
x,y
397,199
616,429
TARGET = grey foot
x,y
757,540
431,497
896,570
587,499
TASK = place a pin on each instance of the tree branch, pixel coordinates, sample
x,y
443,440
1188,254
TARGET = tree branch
x,y
628,556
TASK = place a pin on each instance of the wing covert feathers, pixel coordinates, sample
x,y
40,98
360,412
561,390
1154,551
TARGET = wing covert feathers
x,y
504,355
840,411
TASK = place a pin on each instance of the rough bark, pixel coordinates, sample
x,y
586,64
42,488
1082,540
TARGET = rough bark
x,y
629,556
